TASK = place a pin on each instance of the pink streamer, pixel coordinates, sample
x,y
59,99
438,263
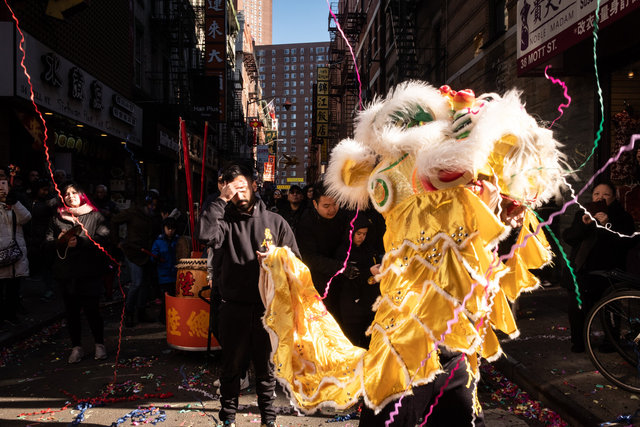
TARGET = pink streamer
x,y
511,254
344,264
599,172
355,63
566,93
453,371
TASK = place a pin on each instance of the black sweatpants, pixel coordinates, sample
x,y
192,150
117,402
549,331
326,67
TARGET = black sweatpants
x,y
9,298
243,339
75,305
454,407
592,288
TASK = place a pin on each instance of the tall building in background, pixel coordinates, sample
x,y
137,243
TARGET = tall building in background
x,y
287,74
258,15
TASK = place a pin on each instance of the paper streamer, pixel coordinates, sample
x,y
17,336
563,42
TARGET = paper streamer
x,y
566,94
50,168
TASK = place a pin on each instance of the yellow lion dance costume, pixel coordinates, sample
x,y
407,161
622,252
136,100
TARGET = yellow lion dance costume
x,y
446,170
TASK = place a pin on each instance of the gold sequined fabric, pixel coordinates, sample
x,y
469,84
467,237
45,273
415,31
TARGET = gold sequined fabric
x,y
440,282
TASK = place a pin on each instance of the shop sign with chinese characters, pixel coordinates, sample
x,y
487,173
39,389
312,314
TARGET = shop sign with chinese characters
x,y
215,46
62,87
547,28
321,131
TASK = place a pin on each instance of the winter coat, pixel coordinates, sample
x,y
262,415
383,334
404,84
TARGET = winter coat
x,y
86,260
42,210
596,249
235,237
35,231
292,217
357,293
21,267
319,240
165,252
142,228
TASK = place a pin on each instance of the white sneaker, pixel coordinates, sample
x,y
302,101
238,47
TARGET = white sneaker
x,y
244,382
76,355
101,352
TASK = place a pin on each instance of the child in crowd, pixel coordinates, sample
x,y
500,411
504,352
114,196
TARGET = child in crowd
x,y
358,288
164,255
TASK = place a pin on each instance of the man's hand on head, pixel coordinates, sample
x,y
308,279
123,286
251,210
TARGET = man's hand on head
x,y
229,189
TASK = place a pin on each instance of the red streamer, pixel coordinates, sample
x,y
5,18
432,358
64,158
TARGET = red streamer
x,y
97,401
204,156
187,170
50,168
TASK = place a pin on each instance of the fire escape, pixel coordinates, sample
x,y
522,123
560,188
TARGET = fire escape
x,y
403,30
343,104
235,133
175,22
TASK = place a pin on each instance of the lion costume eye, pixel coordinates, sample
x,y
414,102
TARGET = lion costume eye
x,y
406,120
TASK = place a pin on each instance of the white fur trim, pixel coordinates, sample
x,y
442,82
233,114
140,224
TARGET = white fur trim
x,y
535,156
375,125
351,196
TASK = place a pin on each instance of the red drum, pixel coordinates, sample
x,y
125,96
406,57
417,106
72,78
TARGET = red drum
x,y
188,324
192,277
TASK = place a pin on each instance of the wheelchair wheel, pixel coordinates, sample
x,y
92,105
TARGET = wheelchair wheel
x,y
612,338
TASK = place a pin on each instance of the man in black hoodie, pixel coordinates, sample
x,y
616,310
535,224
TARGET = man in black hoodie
x,y
237,226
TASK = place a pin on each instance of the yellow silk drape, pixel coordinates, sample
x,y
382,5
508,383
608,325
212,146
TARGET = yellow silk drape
x,y
440,282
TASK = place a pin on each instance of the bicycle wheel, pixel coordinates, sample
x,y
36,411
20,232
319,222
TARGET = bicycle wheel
x,y
612,337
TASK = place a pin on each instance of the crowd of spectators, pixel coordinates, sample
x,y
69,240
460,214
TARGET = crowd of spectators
x,y
57,227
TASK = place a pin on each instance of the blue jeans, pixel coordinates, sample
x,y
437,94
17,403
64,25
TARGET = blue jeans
x,y
136,297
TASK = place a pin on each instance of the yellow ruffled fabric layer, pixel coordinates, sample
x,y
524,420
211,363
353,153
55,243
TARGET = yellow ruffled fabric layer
x,y
536,253
313,359
439,285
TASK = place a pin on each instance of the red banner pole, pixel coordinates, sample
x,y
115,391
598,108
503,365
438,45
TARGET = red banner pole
x,y
204,155
187,167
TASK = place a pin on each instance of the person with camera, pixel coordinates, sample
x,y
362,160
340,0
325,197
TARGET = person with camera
x,y
595,246
78,265
13,251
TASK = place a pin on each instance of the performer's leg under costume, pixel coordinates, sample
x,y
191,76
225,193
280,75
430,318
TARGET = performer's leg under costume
x,y
454,408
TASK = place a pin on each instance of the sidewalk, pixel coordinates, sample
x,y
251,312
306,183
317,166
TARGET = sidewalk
x,y
37,313
539,360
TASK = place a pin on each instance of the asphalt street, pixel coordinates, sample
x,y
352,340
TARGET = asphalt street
x,y
169,386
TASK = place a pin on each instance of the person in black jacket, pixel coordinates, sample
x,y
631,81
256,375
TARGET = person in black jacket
x,y
359,290
320,234
236,232
595,248
78,265
294,208
42,207
144,223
